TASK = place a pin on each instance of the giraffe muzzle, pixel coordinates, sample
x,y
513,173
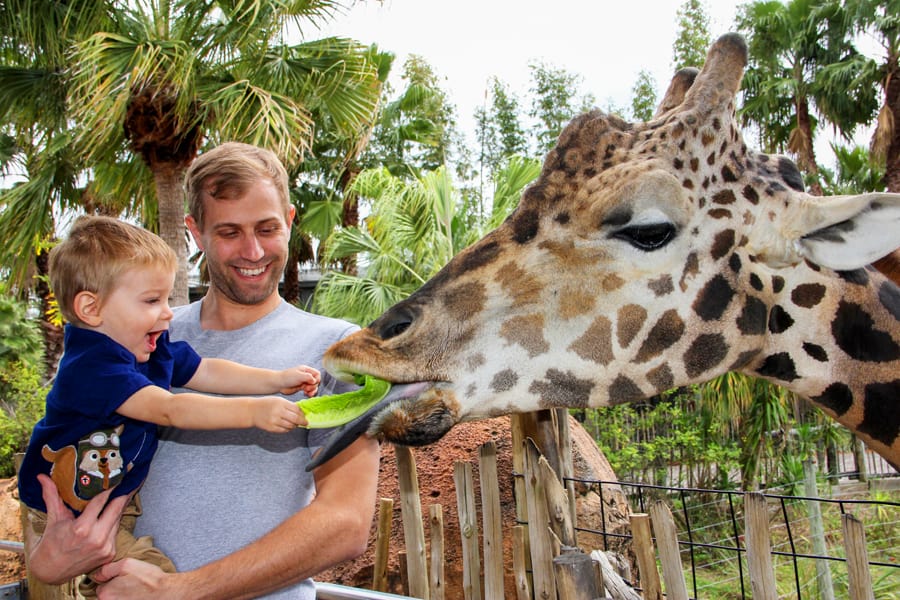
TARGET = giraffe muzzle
x,y
415,414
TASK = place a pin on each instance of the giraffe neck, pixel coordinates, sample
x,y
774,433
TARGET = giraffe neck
x,y
836,341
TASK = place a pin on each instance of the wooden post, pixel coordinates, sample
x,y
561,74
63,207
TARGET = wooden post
x,y
520,562
382,545
558,507
646,556
468,529
612,581
413,530
436,583
859,578
576,577
667,541
538,527
492,521
566,463
817,531
759,551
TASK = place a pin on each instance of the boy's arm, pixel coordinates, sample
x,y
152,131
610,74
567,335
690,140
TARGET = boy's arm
x,y
190,410
333,528
220,376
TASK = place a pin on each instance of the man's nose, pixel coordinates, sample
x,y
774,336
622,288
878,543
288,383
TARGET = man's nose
x,y
252,249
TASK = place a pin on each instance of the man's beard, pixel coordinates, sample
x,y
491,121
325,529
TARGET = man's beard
x,y
226,283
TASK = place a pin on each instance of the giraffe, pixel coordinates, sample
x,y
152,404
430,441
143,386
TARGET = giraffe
x,y
648,256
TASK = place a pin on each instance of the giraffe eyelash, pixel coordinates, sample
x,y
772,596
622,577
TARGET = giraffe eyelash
x,y
649,237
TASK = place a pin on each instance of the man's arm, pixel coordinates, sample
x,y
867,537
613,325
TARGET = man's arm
x,y
333,528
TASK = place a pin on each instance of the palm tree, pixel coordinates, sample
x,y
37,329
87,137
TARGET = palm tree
x,y
786,83
173,74
414,228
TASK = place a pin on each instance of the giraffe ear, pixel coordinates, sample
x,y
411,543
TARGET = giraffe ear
x,y
848,232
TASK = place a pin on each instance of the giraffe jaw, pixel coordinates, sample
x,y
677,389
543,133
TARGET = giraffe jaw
x,y
414,414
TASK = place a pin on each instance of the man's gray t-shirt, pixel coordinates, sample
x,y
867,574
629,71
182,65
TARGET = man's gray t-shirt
x,y
210,493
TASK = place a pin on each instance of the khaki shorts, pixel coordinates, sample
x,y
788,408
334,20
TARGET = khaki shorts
x,y
127,546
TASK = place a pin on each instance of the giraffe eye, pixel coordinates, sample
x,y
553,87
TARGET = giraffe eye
x,y
648,237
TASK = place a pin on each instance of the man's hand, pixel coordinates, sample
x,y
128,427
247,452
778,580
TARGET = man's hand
x,y
71,546
131,579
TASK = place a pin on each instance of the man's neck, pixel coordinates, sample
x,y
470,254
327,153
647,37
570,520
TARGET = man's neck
x,y
221,314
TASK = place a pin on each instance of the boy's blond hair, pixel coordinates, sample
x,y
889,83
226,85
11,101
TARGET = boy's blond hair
x,y
225,173
96,253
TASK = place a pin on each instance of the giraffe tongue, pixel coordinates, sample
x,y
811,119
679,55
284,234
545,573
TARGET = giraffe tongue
x,y
346,434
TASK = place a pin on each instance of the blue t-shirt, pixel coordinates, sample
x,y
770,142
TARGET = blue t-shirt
x,y
81,427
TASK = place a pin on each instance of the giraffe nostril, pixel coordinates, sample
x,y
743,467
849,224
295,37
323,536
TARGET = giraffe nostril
x,y
394,322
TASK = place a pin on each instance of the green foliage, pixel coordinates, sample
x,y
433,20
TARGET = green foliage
x,y
643,97
22,399
554,102
692,39
856,172
20,338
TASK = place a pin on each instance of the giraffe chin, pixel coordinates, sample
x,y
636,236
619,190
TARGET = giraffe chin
x,y
412,414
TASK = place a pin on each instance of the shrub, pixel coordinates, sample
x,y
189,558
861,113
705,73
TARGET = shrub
x,y
22,398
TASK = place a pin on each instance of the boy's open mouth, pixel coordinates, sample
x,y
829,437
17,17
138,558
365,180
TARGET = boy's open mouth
x,y
152,337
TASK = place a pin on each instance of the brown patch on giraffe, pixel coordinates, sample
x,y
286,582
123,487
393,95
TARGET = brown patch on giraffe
x,y
722,244
504,380
526,331
719,213
808,295
629,320
725,196
612,282
519,285
664,333
623,389
574,303
662,286
691,268
461,301
881,419
661,378
713,299
753,317
706,352
560,389
568,255
475,360
595,344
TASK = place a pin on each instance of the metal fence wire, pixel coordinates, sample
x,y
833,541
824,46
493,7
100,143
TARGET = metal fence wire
x,y
711,540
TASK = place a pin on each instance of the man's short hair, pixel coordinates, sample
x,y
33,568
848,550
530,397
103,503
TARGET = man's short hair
x,y
225,173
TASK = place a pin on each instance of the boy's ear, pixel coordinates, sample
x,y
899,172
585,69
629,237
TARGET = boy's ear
x,y
87,308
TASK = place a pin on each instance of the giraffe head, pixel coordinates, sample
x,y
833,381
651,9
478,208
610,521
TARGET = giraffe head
x,y
648,256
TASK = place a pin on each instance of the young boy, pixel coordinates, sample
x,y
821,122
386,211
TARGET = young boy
x,y
112,281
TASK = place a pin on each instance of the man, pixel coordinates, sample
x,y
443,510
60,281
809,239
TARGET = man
x,y
236,510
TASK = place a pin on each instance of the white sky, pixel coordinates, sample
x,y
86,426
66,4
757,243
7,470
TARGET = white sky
x,y
606,43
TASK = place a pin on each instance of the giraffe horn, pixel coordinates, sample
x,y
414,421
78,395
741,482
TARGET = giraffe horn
x,y
718,82
678,88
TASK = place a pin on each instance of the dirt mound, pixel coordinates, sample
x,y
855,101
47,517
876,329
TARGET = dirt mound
x,y
12,564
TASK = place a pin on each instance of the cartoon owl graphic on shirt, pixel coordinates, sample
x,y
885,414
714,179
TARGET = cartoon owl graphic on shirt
x,y
83,471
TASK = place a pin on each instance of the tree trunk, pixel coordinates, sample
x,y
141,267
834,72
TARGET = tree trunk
x,y
52,334
170,197
806,157
892,100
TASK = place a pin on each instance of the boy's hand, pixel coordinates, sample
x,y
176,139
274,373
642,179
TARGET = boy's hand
x,y
300,378
277,414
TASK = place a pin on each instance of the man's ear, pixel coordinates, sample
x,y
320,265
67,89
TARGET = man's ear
x,y
192,226
87,308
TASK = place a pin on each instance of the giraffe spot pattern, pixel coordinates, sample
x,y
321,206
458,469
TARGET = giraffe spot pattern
x,y
574,303
815,351
664,333
463,300
662,286
855,333
734,263
722,243
525,224
526,331
881,419
743,359
808,295
504,380
522,287
779,320
623,389
595,344
691,268
790,174
855,276
713,299
753,317
661,378
725,196
889,296
629,320
755,282
837,398
779,366
706,352
560,389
